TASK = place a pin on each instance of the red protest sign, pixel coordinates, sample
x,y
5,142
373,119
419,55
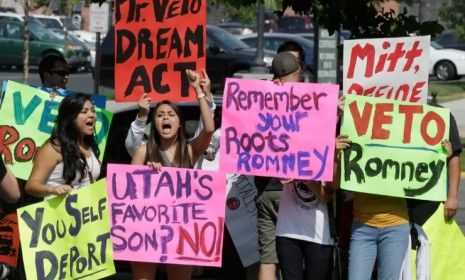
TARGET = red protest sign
x,y
155,42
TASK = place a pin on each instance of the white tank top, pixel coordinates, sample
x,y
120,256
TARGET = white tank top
x,y
56,177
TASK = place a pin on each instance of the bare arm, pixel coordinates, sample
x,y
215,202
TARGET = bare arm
x,y
342,142
44,162
322,192
139,155
200,144
9,188
135,136
453,171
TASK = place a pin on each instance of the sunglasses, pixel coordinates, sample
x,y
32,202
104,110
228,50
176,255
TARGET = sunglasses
x,y
60,72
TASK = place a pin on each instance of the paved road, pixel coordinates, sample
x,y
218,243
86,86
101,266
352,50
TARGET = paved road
x,y
79,82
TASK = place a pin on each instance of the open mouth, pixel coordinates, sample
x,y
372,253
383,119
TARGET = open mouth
x,y
90,124
166,128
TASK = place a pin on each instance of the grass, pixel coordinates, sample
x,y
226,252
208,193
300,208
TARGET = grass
x,y
447,91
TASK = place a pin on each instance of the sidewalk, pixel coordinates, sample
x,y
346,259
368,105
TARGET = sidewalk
x,y
457,108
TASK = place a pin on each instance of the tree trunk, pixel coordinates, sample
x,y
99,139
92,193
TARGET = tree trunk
x,y
26,42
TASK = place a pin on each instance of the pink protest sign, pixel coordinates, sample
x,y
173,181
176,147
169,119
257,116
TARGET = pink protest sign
x,y
391,68
275,130
174,216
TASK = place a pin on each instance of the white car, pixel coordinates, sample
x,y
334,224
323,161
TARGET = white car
x,y
51,21
446,64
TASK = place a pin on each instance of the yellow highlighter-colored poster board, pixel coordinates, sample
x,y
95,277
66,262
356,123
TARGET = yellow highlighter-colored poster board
x,y
68,237
447,247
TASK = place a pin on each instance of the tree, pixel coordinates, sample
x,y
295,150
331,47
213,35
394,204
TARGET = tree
x,y
454,16
361,17
26,7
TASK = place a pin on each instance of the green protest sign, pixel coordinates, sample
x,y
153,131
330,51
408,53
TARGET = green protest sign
x,y
68,237
28,117
396,148
447,244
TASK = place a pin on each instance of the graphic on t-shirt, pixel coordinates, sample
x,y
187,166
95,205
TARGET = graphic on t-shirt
x,y
304,198
214,146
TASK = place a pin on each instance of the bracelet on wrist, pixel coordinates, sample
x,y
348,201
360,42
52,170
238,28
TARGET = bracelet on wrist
x,y
200,95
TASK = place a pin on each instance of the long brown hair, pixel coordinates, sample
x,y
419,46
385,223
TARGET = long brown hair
x,y
181,157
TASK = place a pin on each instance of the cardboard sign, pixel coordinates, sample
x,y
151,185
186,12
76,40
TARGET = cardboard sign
x,y
28,119
68,237
392,68
155,42
9,233
98,100
175,216
396,148
283,131
241,217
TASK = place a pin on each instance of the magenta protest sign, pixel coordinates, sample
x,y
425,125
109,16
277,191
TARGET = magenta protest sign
x,y
278,130
174,216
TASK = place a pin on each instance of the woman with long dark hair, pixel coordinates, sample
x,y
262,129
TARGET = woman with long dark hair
x,y
167,146
69,158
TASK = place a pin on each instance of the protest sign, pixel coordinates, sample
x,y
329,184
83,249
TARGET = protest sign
x,y
395,148
447,244
392,68
28,118
68,237
156,41
97,100
173,216
241,217
285,131
9,233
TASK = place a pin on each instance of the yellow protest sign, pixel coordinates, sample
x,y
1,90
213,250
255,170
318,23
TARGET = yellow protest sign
x,y
68,237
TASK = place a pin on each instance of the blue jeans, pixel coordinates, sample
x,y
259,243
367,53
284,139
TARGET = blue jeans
x,y
368,243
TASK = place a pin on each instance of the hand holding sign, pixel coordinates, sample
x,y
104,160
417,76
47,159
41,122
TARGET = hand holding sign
x,y
60,190
156,166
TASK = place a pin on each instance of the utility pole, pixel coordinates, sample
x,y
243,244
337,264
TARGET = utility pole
x,y
260,65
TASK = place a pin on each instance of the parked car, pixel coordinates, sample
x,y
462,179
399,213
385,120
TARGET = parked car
x,y
446,64
66,24
294,24
60,33
42,42
18,18
7,9
449,40
272,41
226,55
236,28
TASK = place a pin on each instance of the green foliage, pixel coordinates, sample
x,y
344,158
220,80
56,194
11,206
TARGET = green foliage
x,y
245,14
359,16
454,16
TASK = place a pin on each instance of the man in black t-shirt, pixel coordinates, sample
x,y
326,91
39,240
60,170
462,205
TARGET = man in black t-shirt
x,y
421,210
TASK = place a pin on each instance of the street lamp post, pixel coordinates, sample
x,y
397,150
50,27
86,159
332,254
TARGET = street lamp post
x,y
259,64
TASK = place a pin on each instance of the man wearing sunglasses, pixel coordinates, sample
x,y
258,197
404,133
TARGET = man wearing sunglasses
x,y
54,75
53,71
